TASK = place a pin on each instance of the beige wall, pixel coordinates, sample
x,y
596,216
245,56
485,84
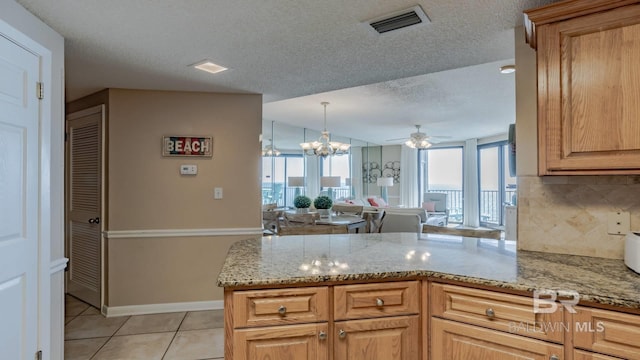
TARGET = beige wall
x,y
146,191
166,270
563,214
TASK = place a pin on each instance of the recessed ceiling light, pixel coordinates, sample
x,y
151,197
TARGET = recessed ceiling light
x,y
507,69
208,66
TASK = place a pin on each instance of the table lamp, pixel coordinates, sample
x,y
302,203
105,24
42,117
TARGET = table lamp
x,y
330,182
385,182
297,182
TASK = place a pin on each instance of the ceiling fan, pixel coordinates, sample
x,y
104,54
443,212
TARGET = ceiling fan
x,y
420,140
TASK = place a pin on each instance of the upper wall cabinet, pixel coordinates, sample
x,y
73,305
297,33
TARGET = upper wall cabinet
x,y
588,59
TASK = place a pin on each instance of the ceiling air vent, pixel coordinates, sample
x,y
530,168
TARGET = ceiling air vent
x,y
399,19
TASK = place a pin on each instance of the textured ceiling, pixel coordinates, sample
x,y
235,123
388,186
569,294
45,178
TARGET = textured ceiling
x,y
282,49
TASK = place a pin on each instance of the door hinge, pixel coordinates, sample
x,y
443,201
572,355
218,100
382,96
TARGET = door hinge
x,y
40,90
39,355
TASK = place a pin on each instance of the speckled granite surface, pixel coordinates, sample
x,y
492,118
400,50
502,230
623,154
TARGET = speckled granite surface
x,y
322,258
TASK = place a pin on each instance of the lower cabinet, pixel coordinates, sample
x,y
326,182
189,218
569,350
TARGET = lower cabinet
x,y
394,338
457,341
288,342
372,321
583,355
607,332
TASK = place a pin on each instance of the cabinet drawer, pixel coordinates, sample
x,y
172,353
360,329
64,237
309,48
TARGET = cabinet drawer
x,y
376,300
280,306
607,332
510,313
583,355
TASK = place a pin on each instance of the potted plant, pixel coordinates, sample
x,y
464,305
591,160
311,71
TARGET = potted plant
x,y
302,203
323,204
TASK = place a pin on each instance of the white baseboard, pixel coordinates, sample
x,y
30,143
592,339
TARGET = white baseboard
x,y
112,311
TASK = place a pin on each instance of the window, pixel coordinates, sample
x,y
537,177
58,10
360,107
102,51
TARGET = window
x,y
497,186
338,166
275,174
440,170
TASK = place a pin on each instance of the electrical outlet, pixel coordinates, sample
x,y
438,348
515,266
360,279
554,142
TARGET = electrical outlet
x,y
618,223
217,193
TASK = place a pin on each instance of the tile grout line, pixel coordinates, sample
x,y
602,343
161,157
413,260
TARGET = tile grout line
x,y
110,337
174,335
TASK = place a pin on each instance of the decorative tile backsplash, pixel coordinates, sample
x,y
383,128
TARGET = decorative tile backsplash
x,y
568,214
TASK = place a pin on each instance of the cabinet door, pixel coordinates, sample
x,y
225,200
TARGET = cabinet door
x,y
588,91
393,338
583,355
456,341
288,342
607,332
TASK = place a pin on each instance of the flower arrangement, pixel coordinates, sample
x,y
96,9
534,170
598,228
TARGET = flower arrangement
x,y
323,202
301,202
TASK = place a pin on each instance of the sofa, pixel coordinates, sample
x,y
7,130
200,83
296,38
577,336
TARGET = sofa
x,y
401,219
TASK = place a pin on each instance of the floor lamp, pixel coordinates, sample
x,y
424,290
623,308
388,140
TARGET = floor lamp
x,y
384,183
330,182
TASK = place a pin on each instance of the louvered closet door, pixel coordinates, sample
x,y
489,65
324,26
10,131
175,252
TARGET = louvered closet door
x,y
84,194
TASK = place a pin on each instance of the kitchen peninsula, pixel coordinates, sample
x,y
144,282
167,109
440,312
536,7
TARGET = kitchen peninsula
x,y
350,296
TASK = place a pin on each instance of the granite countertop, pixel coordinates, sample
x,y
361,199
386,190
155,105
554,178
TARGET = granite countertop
x,y
328,258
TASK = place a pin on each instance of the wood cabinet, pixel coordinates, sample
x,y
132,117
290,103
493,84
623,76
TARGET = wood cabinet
x,y
291,323
376,300
607,332
394,338
480,324
509,313
289,342
588,86
280,306
583,355
366,322
369,325
388,320
457,341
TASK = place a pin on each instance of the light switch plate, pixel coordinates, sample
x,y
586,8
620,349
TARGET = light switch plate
x,y
217,193
618,223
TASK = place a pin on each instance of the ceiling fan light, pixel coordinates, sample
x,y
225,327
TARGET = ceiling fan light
x,y
270,151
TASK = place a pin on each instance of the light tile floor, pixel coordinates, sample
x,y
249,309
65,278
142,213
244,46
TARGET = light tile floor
x,y
194,335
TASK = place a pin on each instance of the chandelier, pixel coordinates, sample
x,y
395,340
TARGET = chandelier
x,y
418,140
324,147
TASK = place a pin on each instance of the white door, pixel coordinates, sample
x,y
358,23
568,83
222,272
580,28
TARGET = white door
x,y
84,195
19,193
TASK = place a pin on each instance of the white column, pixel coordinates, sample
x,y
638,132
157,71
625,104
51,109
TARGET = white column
x,y
409,176
470,184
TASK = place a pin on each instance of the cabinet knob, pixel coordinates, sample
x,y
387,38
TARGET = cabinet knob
x,y
379,302
322,335
554,357
342,334
282,310
490,313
